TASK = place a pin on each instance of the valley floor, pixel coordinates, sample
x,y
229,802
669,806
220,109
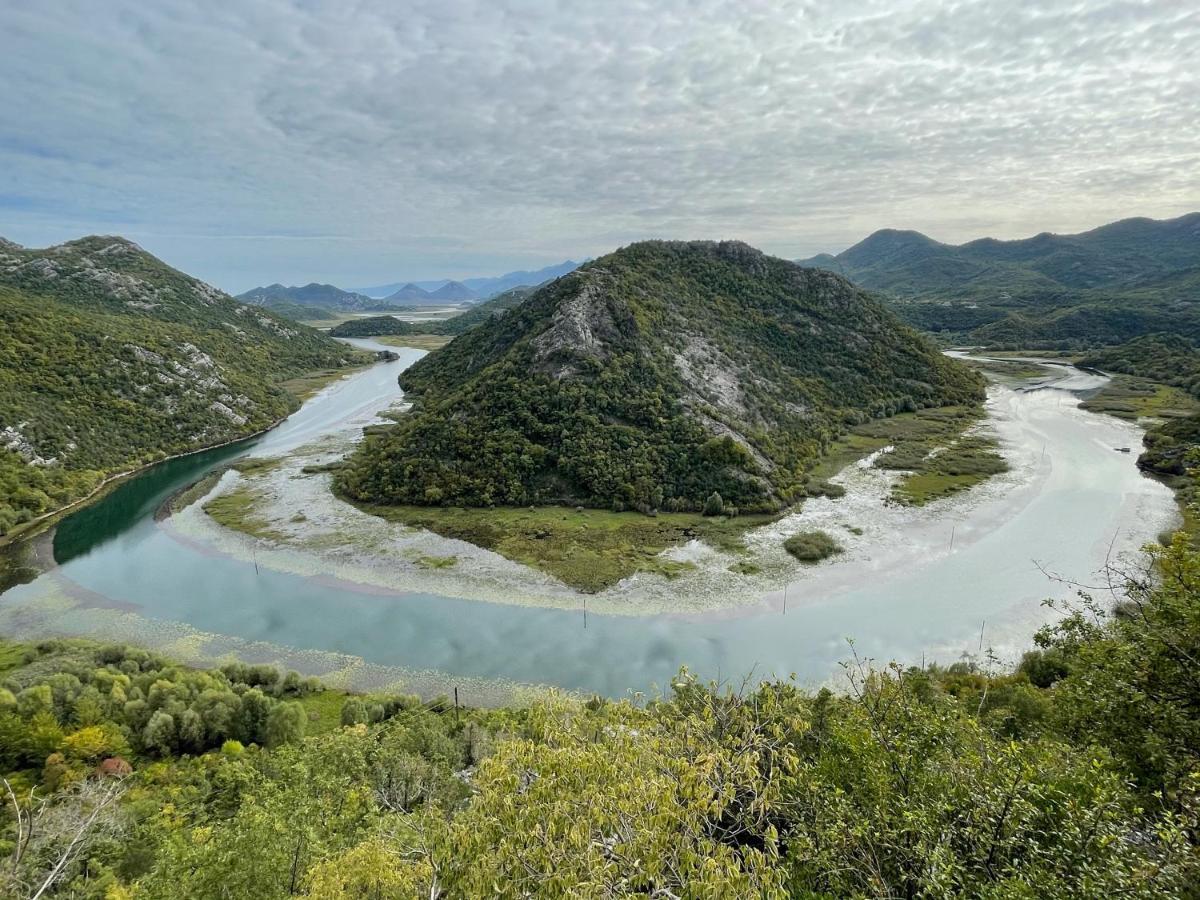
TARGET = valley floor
x,y
284,515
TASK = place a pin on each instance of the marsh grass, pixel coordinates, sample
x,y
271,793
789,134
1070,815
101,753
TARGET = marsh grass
x,y
587,549
418,341
811,546
1130,398
235,509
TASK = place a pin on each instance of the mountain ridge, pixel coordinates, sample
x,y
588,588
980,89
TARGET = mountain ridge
x,y
112,359
651,377
1127,277
483,287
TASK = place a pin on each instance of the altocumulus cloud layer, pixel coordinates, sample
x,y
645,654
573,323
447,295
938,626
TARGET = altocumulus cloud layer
x,y
364,141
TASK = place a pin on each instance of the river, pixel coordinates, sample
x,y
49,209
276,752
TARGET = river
x,y
956,577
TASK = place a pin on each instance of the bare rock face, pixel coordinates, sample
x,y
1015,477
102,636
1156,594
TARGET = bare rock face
x,y
584,327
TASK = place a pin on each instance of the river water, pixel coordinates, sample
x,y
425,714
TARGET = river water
x,y
953,578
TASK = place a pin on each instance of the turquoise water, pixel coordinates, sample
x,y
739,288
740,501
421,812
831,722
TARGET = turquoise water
x,y
1080,496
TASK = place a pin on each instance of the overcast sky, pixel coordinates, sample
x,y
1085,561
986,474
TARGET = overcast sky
x,y
360,142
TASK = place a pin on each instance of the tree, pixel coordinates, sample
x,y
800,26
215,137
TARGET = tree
x,y
53,835
354,712
159,734
285,724
714,505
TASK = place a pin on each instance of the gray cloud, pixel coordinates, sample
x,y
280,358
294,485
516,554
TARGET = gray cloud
x,y
371,140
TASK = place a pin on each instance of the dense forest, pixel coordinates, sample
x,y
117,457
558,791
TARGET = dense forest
x,y
1071,776
110,359
653,378
1105,286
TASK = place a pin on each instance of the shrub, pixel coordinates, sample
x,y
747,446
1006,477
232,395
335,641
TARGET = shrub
x,y
811,546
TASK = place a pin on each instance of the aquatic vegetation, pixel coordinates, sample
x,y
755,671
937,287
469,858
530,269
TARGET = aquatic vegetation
x,y
236,509
811,546
587,549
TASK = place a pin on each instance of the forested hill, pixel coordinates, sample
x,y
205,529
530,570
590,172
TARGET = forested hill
x,y
316,295
110,359
653,377
1107,285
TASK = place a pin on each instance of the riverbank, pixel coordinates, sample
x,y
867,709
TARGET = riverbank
x,y
288,509
301,388
913,582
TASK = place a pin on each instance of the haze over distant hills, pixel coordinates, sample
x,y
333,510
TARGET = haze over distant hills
x,y
1131,277
480,288
449,292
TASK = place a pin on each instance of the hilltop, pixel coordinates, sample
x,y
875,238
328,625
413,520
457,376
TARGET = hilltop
x,y
1128,278
654,377
111,359
409,293
321,296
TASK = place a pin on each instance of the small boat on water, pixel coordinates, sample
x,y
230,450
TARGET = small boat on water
x,y
1121,449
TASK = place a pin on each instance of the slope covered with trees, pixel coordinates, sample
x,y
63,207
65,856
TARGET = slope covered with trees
x,y
652,378
110,359
1126,279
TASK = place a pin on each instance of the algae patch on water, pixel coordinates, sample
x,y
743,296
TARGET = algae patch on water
x,y
1130,398
236,509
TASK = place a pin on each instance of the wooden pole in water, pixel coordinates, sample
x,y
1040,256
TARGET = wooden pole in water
x,y
585,613
456,707
952,530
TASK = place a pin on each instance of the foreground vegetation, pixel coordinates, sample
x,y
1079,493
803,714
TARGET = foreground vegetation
x,y
1073,776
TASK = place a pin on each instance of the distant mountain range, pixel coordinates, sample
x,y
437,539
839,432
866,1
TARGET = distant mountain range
x,y
289,300
278,296
477,288
449,292
1131,277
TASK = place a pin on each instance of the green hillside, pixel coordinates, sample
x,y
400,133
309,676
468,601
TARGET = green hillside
x,y
112,359
1104,286
654,377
